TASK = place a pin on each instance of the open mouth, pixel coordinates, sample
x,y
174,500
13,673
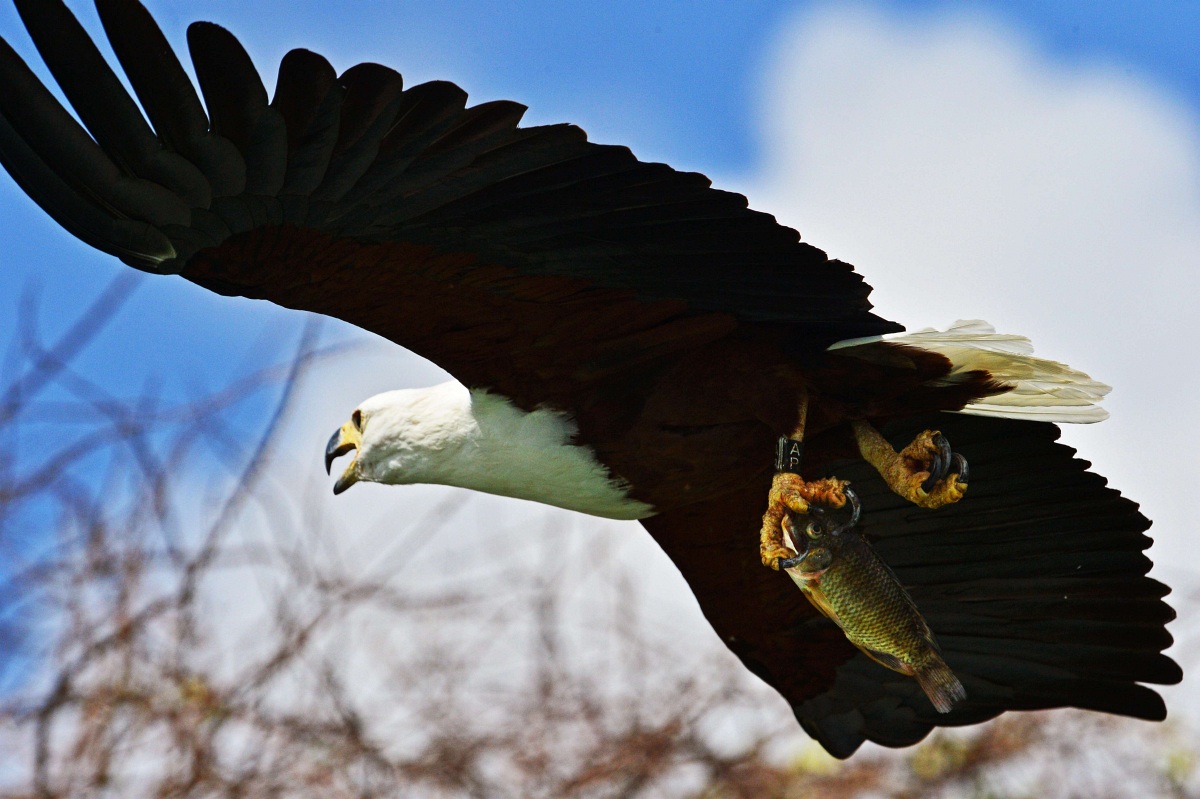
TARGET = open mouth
x,y
346,438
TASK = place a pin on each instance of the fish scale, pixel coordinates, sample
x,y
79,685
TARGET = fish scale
x,y
843,577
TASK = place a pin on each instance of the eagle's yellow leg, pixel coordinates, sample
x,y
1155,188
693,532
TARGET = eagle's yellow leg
x,y
791,492
909,471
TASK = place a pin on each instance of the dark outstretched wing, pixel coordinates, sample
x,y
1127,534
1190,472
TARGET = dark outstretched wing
x,y
522,259
1035,586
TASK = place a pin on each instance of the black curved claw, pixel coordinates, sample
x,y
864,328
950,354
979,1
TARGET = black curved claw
x,y
940,464
960,466
855,511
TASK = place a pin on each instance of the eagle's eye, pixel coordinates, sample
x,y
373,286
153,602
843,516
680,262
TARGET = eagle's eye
x,y
356,420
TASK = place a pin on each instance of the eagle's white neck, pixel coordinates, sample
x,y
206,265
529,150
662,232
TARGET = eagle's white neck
x,y
475,439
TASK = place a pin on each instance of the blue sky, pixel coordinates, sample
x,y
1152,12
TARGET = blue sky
x,y
686,83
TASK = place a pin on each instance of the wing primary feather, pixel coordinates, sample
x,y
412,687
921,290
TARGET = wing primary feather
x,y
66,148
513,154
237,105
167,95
102,103
371,90
478,123
312,136
305,78
438,172
421,114
136,243
428,109
425,111
373,97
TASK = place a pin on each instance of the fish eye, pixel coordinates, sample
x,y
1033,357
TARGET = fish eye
x,y
814,530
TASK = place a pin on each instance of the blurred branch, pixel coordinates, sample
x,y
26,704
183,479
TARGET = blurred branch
x,y
43,364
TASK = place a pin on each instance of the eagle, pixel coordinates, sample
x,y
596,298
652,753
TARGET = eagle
x,y
627,342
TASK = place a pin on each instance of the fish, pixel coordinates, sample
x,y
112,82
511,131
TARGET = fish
x,y
845,579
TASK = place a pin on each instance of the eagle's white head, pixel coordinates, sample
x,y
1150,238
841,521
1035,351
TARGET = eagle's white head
x,y
449,435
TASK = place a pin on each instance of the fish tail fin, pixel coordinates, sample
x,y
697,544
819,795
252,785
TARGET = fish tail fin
x,y
941,686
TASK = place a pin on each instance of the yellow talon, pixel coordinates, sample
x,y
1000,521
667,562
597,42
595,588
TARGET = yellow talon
x,y
907,472
790,492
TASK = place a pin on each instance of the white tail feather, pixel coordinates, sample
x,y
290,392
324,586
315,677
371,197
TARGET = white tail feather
x,y
1043,390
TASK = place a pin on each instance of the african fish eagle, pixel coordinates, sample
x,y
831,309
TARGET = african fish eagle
x,y
628,342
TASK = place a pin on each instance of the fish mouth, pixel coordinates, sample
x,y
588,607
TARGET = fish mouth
x,y
815,547
811,559
347,438
806,579
808,567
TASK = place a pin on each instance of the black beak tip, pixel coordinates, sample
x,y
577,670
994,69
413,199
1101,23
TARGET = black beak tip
x,y
335,449
344,482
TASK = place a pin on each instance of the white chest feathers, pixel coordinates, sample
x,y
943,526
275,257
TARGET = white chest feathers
x,y
475,439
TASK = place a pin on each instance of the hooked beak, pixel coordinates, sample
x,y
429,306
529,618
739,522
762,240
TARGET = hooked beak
x,y
345,439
